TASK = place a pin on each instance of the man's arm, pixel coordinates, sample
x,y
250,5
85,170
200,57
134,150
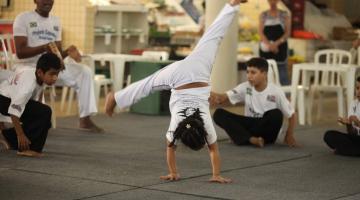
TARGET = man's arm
x,y
171,162
24,51
289,137
23,141
215,163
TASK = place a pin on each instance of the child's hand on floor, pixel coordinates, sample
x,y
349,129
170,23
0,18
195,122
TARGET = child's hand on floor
x,y
23,142
171,177
219,179
290,140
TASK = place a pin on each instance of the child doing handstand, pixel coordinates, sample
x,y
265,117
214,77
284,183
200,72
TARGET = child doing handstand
x,y
189,81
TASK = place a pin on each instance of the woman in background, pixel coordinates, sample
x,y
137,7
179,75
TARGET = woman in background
x,y
274,29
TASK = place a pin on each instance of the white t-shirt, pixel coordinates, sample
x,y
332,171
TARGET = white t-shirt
x,y
185,102
20,88
38,30
257,103
355,110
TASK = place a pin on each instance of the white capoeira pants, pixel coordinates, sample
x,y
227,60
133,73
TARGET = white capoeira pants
x,y
80,77
194,68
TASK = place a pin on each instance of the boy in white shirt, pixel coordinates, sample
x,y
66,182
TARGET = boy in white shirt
x,y
265,106
347,144
21,99
189,81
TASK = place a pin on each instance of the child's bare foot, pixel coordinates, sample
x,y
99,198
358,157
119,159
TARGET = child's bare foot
x,y
29,153
88,124
219,179
110,104
257,141
170,177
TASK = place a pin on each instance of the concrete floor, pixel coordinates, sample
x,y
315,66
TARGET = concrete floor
x,y
127,160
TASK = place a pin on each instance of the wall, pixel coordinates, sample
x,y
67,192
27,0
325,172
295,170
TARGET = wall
x,y
349,8
74,19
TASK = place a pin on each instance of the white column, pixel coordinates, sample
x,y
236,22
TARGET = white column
x,y
224,73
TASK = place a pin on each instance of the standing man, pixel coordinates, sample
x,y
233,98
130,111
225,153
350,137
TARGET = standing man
x,y
33,31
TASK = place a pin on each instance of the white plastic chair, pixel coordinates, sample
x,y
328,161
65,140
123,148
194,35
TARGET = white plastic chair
x,y
355,54
273,77
329,81
7,53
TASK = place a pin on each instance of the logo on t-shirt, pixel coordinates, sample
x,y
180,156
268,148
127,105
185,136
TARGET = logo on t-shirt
x,y
56,28
271,98
186,112
16,107
249,91
33,24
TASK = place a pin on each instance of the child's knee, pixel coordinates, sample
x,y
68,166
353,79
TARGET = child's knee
x,y
329,136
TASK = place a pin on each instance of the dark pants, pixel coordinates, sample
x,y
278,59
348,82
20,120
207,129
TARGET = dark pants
x,y
342,143
36,122
241,128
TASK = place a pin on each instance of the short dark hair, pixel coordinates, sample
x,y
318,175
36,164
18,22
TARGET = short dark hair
x,y
48,61
259,63
358,79
191,132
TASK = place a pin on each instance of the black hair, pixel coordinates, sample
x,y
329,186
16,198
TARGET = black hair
x,y
259,63
191,131
48,61
358,79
